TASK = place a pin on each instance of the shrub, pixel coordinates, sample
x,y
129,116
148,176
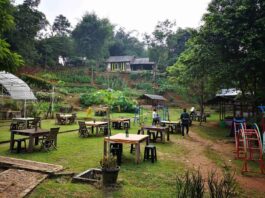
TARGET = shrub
x,y
46,96
115,99
190,185
222,188
36,82
145,86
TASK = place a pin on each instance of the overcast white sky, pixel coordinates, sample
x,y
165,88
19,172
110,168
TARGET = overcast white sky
x,y
139,15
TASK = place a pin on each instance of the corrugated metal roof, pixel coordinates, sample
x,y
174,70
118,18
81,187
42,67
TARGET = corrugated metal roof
x,y
117,59
228,92
17,89
139,61
155,97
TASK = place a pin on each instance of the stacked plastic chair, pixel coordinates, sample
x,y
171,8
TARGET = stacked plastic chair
x,y
252,147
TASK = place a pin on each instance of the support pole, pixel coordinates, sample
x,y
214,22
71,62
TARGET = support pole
x,y
52,101
2,95
25,108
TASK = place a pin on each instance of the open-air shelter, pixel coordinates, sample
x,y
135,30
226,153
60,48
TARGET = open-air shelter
x,y
231,104
15,88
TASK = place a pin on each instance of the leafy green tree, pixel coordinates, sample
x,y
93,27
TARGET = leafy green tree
x,y
61,26
92,37
192,70
28,22
166,44
50,49
9,61
235,29
126,44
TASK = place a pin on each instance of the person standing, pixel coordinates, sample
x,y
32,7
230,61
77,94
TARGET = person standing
x,y
185,121
155,117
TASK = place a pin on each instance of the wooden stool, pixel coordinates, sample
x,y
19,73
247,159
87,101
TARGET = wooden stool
x,y
159,135
19,145
150,149
152,135
132,145
116,150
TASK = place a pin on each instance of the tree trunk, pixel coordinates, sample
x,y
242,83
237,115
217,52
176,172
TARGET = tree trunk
x,y
202,102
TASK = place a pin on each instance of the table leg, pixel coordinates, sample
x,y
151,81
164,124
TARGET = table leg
x,y
97,129
147,140
105,147
12,140
163,136
167,131
36,140
129,123
137,149
31,141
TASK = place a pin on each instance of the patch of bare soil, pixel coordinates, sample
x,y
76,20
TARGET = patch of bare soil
x,y
196,158
18,183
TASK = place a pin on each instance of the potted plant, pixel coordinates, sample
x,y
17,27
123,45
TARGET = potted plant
x,y
110,170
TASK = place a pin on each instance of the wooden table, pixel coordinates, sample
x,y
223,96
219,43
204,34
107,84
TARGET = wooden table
x,y
121,121
132,139
66,117
26,121
32,134
96,124
163,130
171,124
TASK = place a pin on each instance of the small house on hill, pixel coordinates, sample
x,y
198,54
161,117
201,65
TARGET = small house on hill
x,y
153,100
128,63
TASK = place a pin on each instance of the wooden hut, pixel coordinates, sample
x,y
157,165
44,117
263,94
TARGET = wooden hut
x,y
154,100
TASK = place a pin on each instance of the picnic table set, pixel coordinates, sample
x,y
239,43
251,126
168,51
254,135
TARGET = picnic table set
x,y
31,128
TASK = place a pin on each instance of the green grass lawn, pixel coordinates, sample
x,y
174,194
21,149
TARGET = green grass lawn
x,y
77,154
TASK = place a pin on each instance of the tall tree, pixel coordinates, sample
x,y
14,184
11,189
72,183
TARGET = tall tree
x,y
126,44
29,21
193,70
9,60
166,43
92,36
236,30
61,26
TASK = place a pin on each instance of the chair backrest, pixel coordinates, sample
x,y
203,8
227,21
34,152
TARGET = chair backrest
x,y
72,118
60,119
13,126
36,121
53,134
82,125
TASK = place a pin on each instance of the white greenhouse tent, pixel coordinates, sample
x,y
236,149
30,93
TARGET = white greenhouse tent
x,y
15,88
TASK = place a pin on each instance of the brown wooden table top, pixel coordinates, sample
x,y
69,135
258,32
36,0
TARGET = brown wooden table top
x,y
154,127
31,131
120,119
170,122
97,123
121,137
66,115
22,119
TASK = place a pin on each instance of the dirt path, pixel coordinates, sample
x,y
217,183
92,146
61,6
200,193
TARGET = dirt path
x,y
197,146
